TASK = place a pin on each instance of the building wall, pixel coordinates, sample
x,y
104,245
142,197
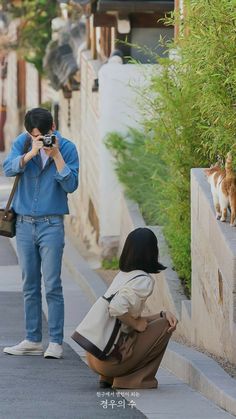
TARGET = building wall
x,y
32,86
11,128
150,38
96,206
69,127
119,88
79,122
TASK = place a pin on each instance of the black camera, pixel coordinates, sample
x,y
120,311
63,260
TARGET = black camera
x,y
49,140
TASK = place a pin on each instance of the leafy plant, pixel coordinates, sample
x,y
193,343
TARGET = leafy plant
x,y
137,169
112,264
191,123
35,28
193,112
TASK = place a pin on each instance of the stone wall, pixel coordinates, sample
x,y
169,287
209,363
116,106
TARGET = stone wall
x,y
213,274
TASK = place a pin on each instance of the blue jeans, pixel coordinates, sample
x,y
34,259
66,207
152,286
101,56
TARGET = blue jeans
x,y
40,243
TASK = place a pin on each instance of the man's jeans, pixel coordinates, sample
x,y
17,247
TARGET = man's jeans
x,y
40,243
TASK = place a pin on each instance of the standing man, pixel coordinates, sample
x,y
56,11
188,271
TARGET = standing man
x,y
48,174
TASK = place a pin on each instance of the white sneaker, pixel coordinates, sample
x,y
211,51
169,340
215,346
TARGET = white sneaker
x,y
25,347
54,350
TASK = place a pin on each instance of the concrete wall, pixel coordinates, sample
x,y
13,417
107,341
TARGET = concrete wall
x,y
118,91
213,274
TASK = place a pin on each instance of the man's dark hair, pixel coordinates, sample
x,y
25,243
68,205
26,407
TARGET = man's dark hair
x,y
39,118
140,251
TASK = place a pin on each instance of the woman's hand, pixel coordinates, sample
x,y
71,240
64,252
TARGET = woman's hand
x,y
141,324
172,321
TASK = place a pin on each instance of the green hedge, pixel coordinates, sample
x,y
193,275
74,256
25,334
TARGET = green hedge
x,y
191,123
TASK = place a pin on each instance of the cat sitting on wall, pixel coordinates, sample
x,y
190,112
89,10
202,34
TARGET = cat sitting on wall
x,y
223,188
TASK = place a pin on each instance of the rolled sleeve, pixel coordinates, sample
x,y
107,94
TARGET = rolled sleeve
x,y
16,167
67,179
68,176
131,296
65,173
122,302
11,164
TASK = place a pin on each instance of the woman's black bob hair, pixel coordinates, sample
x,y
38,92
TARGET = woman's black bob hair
x,y
140,252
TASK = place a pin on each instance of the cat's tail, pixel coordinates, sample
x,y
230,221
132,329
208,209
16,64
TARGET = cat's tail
x,y
228,166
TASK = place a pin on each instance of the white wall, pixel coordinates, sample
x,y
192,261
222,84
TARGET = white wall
x,y
32,86
120,92
11,128
94,114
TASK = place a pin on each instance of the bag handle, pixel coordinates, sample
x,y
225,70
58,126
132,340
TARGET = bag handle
x,y
113,295
17,178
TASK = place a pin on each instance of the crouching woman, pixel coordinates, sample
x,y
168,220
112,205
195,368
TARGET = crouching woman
x,y
143,340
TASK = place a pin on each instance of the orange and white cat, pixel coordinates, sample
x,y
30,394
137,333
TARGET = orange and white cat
x,y
223,188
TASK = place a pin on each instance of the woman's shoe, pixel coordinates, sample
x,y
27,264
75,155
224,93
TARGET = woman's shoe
x,y
104,384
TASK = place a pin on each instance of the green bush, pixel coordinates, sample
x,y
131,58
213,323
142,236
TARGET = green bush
x,y
110,264
35,28
192,122
137,169
146,180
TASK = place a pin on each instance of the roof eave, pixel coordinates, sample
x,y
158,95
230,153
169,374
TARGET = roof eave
x,y
135,6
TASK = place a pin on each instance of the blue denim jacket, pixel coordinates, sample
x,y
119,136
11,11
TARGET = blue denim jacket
x,y
42,191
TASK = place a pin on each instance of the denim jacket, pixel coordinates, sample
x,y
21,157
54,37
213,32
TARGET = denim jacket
x,y
42,191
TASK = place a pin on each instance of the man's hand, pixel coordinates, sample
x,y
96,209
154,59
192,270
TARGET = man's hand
x,y
55,154
52,151
37,144
172,321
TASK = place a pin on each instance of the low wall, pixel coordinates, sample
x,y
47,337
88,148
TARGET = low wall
x,y
213,274
208,319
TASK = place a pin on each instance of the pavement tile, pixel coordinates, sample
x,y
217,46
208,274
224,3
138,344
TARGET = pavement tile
x,y
7,254
38,388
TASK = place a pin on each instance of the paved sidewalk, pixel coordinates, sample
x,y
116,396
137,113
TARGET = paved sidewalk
x,y
35,388
32,387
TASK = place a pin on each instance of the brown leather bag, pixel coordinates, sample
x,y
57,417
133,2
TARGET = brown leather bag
x,y
8,216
